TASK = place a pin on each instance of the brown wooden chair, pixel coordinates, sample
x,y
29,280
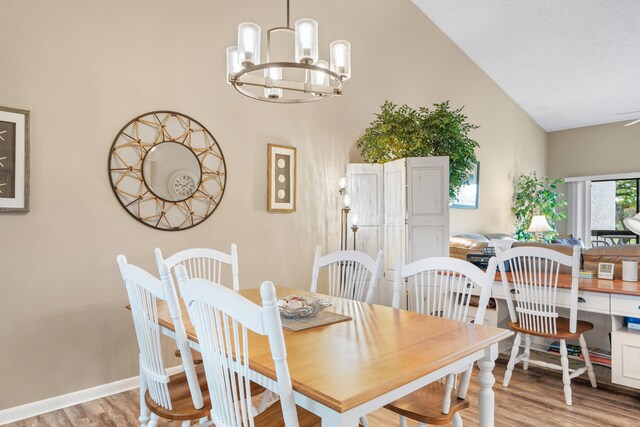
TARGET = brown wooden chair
x,y
440,287
531,299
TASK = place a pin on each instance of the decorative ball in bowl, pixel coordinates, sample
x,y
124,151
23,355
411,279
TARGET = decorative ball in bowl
x,y
300,307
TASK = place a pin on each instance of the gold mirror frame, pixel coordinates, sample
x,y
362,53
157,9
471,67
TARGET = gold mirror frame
x,y
126,159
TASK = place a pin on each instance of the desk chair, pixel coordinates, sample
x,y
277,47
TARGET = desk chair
x,y
531,299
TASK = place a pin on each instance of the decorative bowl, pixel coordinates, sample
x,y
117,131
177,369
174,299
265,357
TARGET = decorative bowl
x,y
300,307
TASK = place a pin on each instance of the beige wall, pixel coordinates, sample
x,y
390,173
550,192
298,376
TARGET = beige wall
x,y
594,150
84,68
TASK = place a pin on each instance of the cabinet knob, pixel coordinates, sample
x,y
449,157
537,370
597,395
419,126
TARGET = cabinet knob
x,y
580,299
514,291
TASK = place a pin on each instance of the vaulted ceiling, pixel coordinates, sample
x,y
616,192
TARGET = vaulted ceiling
x,y
568,63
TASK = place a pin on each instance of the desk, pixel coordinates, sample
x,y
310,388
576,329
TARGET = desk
x,y
346,370
615,298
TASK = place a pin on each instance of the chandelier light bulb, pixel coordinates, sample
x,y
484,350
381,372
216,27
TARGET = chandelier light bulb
x,y
271,74
233,65
306,41
343,181
346,200
341,58
318,77
354,220
248,44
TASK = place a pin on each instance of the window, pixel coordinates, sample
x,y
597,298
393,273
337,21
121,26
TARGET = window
x,y
611,202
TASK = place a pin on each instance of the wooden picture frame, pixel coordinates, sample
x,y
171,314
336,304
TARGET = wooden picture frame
x,y
14,160
469,191
282,167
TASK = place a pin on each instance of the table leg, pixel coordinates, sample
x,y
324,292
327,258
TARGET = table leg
x,y
486,402
144,411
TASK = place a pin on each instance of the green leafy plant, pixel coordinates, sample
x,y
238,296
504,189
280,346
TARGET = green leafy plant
x,y
537,196
401,131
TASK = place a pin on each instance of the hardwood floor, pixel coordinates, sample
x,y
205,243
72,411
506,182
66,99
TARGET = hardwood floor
x,y
534,398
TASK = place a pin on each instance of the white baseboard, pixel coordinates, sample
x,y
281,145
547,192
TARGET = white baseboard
x,y
64,401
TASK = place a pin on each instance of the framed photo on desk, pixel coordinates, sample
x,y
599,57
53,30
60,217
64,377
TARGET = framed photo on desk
x,y
605,270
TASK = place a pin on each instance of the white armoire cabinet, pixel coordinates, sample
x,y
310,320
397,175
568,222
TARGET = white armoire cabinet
x,y
402,207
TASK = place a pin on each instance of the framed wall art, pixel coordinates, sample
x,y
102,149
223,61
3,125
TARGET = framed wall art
x,y
14,160
468,195
281,169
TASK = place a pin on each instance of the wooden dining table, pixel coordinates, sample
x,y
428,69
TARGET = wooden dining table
x,y
346,370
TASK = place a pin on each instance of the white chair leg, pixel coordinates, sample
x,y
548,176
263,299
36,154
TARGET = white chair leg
x,y
144,411
203,420
422,425
512,360
457,420
364,421
185,423
446,399
587,361
564,360
403,421
154,421
265,399
464,383
527,352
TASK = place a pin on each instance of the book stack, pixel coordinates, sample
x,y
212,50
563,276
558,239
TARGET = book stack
x,y
587,274
596,355
572,349
632,322
599,356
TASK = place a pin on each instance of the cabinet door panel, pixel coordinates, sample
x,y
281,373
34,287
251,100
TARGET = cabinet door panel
x,y
427,207
426,241
364,183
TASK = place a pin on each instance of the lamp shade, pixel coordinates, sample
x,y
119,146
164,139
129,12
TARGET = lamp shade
x,y
233,65
273,73
306,40
539,224
340,55
248,44
633,223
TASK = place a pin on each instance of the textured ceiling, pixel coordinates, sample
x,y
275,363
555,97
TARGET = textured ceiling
x,y
568,63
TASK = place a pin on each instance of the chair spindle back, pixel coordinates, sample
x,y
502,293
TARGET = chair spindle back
x,y
144,290
534,276
223,321
443,287
351,274
204,263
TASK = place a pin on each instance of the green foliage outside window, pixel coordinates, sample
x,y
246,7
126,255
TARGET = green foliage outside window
x,y
626,196
537,196
401,131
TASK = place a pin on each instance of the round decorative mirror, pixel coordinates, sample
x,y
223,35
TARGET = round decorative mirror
x,y
167,170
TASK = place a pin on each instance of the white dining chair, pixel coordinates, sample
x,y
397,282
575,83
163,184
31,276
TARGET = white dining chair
x,y
531,296
351,274
223,320
441,287
176,397
204,263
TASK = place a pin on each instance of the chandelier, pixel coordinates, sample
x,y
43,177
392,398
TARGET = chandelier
x,y
305,80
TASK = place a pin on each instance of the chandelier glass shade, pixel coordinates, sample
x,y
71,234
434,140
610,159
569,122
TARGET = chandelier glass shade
x,y
305,79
